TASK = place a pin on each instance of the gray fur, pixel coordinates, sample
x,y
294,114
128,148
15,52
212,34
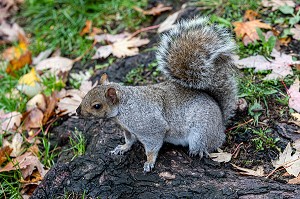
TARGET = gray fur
x,y
176,111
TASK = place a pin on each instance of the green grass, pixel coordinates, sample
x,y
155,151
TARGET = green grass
x,y
77,142
264,141
57,23
9,100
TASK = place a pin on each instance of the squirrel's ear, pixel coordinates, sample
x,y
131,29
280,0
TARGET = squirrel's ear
x,y
104,79
111,95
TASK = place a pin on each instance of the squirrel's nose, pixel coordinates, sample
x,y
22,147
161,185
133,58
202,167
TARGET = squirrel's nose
x,y
78,110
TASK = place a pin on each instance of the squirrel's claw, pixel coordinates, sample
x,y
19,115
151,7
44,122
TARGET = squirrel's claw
x,y
120,150
148,166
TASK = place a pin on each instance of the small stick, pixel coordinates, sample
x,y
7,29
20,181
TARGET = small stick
x,y
142,30
235,152
239,125
287,90
282,166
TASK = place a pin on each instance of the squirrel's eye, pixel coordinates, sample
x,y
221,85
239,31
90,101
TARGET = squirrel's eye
x,y
97,106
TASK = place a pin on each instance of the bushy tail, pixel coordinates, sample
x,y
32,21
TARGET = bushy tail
x,y
198,55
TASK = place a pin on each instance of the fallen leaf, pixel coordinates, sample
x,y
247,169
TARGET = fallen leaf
x,y
27,163
296,31
51,104
157,10
220,156
87,28
43,55
16,145
30,83
38,101
294,101
250,15
8,7
17,56
248,28
169,22
167,175
4,153
297,119
33,119
290,162
294,180
10,121
34,149
121,48
10,33
71,99
259,172
280,66
111,38
285,41
55,65
128,47
296,145
275,4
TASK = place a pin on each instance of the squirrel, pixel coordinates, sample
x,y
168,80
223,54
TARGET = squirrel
x,y
191,108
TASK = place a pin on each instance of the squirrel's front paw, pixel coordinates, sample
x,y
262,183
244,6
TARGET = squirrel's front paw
x,y
148,166
120,150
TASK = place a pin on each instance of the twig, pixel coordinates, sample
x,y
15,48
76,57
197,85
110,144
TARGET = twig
x,y
142,30
287,90
282,166
239,125
235,152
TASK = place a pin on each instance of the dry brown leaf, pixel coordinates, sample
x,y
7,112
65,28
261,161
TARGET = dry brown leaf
x,y
285,41
111,38
34,149
128,47
157,10
37,101
27,163
275,4
294,101
248,28
167,175
169,22
296,145
18,56
51,104
294,180
34,119
290,162
220,156
280,66
71,99
16,145
55,65
10,121
10,33
87,28
250,15
296,116
43,55
259,172
296,32
4,153
121,48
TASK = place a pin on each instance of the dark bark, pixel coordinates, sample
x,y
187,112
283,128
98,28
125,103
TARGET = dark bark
x,y
97,173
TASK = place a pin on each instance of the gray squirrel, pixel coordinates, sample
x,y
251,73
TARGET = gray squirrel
x,y
191,108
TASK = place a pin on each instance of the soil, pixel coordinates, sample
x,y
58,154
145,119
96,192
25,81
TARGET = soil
x,y
176,175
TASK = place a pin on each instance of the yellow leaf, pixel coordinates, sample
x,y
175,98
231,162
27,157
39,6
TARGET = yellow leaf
x,y
30,78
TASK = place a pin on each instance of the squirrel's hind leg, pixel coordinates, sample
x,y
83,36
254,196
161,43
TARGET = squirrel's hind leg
x,y
197,142
152,148
130,139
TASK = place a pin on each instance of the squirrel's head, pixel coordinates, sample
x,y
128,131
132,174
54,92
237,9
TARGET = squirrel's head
x,y
100,102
